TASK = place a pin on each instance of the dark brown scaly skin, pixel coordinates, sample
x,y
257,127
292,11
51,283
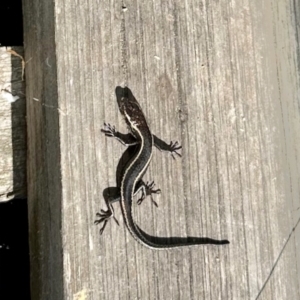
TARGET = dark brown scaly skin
x,y
135,169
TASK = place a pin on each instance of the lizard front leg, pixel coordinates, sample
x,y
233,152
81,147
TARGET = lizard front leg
x,y
129,140
125,139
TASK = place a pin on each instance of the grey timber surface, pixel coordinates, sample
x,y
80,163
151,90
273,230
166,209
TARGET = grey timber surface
x,y
12,125
222,78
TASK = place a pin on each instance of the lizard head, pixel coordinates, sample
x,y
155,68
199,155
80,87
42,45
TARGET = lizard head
x,y
130,108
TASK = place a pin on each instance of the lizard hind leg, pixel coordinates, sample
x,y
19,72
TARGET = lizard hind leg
x,y
147,189
110,195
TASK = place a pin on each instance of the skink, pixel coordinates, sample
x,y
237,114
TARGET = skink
x,y
133,172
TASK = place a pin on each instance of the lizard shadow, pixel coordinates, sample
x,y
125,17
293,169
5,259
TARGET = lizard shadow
x,y
113,192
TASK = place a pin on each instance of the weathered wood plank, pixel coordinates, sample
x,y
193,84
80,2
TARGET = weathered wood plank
x,y
221,78
12,125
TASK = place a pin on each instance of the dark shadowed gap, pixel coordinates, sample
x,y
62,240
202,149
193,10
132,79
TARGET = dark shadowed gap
x,y
11,23
14,253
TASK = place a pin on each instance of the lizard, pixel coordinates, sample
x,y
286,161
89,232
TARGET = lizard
x,y
140,135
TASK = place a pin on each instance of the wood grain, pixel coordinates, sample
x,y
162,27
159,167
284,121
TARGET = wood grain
x,y
12,125
222,78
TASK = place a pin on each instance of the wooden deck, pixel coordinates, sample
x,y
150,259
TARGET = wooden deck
x,y
12,125
221,78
